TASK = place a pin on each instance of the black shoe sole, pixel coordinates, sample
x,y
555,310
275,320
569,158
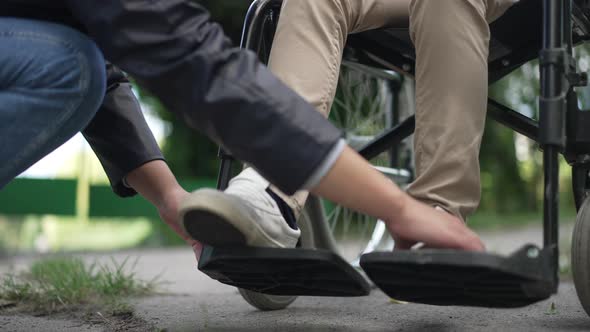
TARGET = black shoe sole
x,y
211,229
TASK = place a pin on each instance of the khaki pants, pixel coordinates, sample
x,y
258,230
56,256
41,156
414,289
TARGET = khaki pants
x,y
452,44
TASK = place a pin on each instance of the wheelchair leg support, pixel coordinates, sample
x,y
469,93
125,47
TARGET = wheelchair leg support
x,y
277,271
555,65
440,277
551,208
444,277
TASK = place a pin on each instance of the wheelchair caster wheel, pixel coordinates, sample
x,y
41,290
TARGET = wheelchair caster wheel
x,y
266,302
581,255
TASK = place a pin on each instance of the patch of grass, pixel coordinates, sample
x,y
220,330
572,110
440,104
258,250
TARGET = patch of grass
x,y
552,309
119,308
60,284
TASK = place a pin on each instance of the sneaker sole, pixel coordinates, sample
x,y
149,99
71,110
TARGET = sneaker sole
x,y
209,217
209,228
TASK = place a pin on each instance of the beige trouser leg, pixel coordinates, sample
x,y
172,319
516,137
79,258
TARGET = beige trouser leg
x,y
451,37
309,42
452,45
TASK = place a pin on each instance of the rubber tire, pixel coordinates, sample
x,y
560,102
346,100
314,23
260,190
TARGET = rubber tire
x,y
581,255
580,184
266,302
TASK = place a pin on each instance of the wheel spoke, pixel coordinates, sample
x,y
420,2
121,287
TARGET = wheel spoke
x,y
361,111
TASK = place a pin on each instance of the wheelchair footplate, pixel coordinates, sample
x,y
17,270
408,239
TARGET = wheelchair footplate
x,y
451,277
293,272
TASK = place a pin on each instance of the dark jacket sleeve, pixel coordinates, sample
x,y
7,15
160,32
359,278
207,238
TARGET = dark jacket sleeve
x,y
119,134
174,50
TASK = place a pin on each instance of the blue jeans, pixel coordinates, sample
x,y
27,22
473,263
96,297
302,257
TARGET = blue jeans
x,y
52,82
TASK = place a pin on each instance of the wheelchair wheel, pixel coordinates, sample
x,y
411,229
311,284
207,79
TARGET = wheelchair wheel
x,y
580,183
266,302
365,106
581,255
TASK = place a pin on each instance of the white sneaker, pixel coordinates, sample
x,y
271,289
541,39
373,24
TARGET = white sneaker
x,y
244,215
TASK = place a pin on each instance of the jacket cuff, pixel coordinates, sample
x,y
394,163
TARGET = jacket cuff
x,y
325,166
119,184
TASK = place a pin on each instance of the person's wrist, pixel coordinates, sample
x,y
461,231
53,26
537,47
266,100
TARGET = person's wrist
x,y
171,197
399,209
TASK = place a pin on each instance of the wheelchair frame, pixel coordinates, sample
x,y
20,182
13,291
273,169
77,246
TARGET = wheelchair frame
x,y
561,128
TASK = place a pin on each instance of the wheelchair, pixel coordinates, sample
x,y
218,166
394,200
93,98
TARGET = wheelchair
x,y
271,279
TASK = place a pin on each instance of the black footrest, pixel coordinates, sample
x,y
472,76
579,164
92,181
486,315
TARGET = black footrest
x,y
284,271
450,277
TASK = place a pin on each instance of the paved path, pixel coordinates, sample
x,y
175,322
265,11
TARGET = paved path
x,y
193,302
